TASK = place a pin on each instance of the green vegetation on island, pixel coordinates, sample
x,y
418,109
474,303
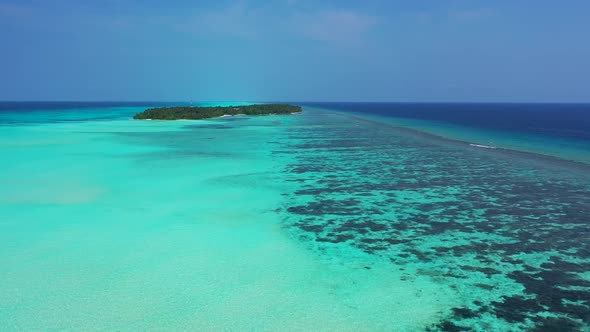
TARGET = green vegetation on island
x,y
197,113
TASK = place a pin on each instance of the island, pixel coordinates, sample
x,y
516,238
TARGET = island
x,y
198,112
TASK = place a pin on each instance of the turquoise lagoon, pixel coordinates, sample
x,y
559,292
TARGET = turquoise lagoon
x,y
320,221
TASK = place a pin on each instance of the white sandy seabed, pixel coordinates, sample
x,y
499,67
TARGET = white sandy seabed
x,y
127,225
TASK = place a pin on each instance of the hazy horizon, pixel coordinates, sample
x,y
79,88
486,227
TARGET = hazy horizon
x,y
299,101
380,51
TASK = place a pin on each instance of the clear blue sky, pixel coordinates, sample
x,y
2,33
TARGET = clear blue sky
x,y
334,50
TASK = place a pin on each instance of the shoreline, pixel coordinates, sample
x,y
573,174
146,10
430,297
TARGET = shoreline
x,y
211,112
216,117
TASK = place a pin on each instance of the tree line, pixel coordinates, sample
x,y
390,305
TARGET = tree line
x,y
198,112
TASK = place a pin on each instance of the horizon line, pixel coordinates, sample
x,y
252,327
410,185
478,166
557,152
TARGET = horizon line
x,y
300,101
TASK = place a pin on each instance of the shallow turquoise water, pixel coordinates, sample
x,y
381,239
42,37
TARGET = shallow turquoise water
x,y
319,221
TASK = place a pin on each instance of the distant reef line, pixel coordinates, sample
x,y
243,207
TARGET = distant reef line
x,y
547,160
208,112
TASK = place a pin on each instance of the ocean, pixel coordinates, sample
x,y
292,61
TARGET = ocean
x,y
346,217
560,130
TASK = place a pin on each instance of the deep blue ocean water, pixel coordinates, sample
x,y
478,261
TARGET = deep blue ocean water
x,y
27,106
557,130
568,121
38,112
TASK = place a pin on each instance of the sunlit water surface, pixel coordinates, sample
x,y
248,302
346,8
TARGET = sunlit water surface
x,y
318,221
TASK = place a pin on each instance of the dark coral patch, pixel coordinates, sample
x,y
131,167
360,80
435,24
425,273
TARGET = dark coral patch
x,y
421,201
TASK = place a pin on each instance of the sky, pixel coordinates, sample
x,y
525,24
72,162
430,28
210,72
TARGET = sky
x,y
295,50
